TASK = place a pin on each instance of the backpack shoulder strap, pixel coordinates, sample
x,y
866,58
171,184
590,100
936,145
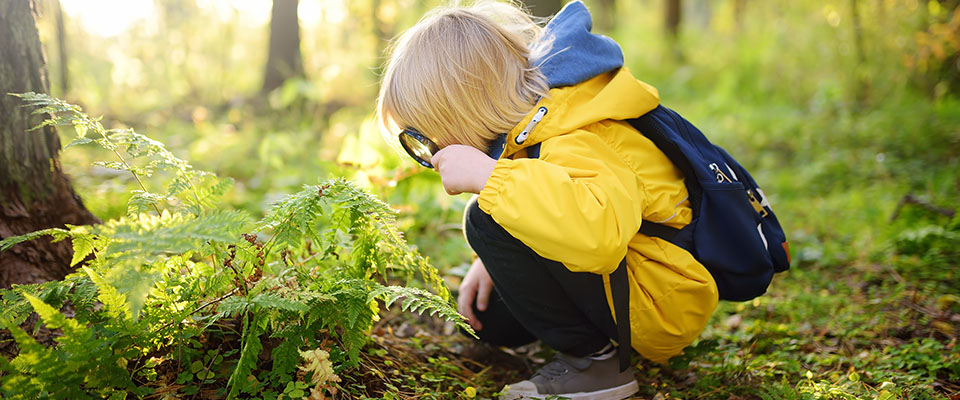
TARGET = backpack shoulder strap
x,y
534,151
661,231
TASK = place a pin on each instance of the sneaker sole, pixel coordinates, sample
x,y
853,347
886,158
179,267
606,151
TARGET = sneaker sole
x,y
615,393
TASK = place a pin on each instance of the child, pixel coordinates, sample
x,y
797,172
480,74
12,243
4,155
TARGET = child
x,y
491,89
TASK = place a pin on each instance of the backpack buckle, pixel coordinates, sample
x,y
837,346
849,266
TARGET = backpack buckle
x,y
757,206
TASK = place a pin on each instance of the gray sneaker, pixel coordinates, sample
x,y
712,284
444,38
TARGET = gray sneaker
x,y
576,379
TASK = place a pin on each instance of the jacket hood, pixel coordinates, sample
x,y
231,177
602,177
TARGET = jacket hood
x,y
588,84
576,54
615,95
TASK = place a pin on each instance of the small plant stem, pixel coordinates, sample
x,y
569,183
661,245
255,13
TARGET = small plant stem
x,y
205,305
179,345
99,128
207,370
239,276
271,242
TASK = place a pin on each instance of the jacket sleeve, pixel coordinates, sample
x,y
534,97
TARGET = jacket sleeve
x,y
578,204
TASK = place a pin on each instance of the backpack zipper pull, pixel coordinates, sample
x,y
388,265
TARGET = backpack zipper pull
x,y
721,177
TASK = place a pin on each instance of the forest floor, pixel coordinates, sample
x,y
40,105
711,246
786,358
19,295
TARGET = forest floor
x,y
853,332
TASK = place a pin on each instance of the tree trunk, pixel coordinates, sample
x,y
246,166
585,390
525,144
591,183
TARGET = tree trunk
x,y
283,60
863,86
62,51
34,192
739,7
604,15
672,18
544,8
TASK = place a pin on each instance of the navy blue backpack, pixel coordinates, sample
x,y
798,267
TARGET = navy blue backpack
x,y
733,233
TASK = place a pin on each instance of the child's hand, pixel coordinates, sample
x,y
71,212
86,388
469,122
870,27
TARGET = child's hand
x,y
463,168
475,285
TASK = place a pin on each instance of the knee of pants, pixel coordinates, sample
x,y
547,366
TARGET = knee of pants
x,y
476,222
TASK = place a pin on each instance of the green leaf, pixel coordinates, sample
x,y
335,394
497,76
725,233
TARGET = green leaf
x,y
248,357
83,245
419,300
143,201
81,129
854,377
114,302
275,301
886,395
51,317
78,141
171,234
57,233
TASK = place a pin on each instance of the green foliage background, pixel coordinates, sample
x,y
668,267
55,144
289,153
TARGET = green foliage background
x,y
839,108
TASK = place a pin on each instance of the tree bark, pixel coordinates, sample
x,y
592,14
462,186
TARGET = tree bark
x,y
283,60
62,50
672,17
604,15
544,8
863,86
34,192
739,7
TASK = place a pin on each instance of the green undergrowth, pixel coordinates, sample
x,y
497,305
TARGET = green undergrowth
x,y
182,297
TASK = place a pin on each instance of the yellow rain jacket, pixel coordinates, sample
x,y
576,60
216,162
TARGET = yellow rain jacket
x,y
582,202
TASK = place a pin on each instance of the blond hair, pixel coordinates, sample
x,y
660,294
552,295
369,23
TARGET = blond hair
x,y
463,75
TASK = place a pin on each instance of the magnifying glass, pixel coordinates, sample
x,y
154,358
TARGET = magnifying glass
x,y
418,146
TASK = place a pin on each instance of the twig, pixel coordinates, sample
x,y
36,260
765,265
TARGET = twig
x,y
205,305
207,370
909,198
99,128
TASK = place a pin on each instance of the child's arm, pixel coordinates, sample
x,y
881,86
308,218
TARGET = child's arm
x,y
579,204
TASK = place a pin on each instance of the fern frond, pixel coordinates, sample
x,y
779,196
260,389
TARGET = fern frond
x,y
293,218
251,348
420,301
78,141
73,332
33,357
233,305
83,245
272,301
57,234
171,234
142,201
114,303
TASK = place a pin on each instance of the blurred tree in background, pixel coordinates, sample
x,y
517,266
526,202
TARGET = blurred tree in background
x,y
34,192
544,8
283,58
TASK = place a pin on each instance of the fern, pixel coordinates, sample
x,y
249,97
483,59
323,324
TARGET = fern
x,y
178,274
57,234
419,301
115,303
239,379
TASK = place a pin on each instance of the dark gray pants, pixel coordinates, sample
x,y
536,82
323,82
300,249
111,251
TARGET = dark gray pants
x,y
536,298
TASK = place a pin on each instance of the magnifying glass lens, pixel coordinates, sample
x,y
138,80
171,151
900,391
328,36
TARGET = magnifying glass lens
x,y
418,146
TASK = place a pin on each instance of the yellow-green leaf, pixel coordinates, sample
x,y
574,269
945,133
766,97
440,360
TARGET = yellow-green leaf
x,y
82,247
114,302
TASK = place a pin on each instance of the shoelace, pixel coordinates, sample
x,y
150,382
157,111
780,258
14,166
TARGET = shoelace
x,y
554,369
